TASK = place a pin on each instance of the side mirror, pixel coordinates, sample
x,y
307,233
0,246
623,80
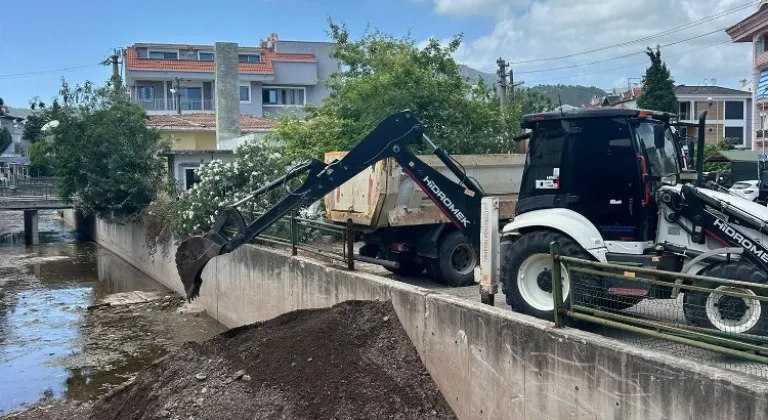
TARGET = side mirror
x,y
658,136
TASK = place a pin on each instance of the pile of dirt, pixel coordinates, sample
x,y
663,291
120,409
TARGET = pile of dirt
x,y
351,361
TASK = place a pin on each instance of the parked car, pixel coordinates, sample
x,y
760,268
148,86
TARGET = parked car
x,y
746,189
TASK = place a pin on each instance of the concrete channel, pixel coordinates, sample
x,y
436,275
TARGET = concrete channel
x,y
489,362
52,345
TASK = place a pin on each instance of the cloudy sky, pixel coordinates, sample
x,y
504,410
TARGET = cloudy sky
x,y
601,42
591,42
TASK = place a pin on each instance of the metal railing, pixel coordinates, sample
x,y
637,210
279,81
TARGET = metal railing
x,y
38,187
332,242
161,104
711,319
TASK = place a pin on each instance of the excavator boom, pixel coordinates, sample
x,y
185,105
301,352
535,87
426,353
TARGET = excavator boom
x,y
460,202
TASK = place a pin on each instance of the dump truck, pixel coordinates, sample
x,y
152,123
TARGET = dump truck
x,y
397,221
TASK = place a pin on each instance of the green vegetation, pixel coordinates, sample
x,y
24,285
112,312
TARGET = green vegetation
x,y
658,86
5,139
108,162
383,74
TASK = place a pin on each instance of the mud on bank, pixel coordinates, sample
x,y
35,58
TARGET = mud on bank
x,y
351,361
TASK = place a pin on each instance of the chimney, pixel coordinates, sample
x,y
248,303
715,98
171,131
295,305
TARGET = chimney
x,y
227,90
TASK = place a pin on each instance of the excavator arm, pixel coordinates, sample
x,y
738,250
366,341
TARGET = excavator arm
x,y
459,201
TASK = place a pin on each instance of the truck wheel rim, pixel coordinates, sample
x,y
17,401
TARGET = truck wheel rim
x,y
532,278
733,314
463,259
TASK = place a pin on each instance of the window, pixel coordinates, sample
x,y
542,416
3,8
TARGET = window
x,y
249,58
205,56
191,98
163,55
189,178
734,110
735,134
283,96
685,110
187,54
245,93
146,93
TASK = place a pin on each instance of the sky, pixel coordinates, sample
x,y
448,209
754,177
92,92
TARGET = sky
x,y
587,42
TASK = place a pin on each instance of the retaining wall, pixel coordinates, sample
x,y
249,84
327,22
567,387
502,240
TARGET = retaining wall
x,y
490,363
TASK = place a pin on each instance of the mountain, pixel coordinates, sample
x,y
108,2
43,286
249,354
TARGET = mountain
x,y
19,112
575,95
490,79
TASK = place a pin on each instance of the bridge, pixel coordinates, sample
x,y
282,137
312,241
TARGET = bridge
x,y
30,194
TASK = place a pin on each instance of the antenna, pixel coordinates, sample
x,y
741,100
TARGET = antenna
x,y
562,114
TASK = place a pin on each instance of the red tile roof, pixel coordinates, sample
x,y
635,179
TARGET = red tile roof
x,y
133,62
204,122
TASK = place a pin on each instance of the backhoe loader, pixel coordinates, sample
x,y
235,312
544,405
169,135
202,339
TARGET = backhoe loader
x,y
608,185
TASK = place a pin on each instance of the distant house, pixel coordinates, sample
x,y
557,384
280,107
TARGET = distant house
x,y
620,99
728,112
274,77
754,30
198,131
194,141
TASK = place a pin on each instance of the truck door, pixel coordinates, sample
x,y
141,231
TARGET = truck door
x,y
603,172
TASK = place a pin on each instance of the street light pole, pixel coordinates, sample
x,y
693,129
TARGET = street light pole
x,y
762,120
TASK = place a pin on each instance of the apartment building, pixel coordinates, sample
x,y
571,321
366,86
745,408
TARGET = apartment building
x,y
728,112
276,76
754,29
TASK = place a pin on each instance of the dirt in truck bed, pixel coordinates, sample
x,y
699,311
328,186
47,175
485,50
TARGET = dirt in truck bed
x,y
351,361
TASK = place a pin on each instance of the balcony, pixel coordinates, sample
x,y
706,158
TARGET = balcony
x,y
188,105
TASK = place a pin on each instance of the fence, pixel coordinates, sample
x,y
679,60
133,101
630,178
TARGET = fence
x,y
44,187
321,239
709,319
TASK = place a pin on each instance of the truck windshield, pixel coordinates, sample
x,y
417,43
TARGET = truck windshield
x,y
661,162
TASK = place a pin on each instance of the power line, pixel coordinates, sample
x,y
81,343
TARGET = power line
x,y
617,57
38,73
627,66
657,35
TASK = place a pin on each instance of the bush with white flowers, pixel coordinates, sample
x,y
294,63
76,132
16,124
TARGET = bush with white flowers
x,y
221,183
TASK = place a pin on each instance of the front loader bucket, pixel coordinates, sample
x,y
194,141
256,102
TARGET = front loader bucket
x,y
191,257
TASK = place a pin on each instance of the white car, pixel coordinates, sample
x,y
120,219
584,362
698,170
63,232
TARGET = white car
x,y
746,189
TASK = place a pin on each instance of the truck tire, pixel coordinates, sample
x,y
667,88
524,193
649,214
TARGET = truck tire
x,y
457,258
530,292
729,313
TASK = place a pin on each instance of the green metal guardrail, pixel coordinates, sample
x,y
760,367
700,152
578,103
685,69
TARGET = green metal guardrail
x,y
658,318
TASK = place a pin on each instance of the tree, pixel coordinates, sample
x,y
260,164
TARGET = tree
x,y
382,74
5,139
107,160
38,118
658,86
41,159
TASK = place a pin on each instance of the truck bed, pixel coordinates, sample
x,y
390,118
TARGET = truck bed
x,y
384,196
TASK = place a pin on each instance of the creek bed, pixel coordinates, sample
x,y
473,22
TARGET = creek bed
x,y
51,345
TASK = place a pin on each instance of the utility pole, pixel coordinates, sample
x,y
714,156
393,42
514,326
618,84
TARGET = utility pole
x,y
502,73
115,71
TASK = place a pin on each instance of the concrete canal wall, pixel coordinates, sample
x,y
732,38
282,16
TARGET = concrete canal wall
x,y
490,363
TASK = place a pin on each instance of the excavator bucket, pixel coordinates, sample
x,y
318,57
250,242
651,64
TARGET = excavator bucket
x,y
191,257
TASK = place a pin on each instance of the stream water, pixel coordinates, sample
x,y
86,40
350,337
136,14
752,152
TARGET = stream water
x,y
51,346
